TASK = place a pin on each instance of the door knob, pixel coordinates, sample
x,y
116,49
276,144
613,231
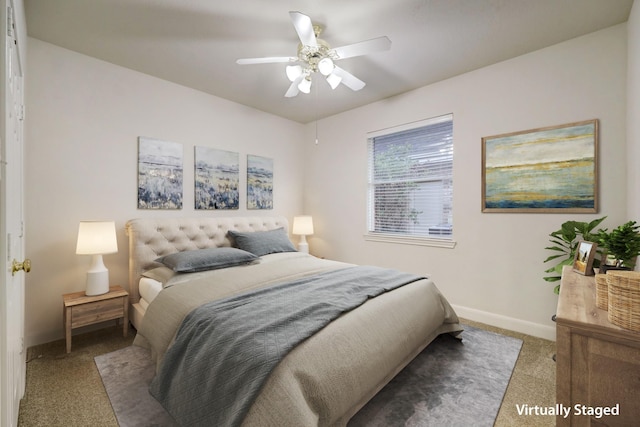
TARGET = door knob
x,y
17,266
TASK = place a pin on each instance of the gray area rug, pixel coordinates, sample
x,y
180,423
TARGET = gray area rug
x,y
451,383
126,375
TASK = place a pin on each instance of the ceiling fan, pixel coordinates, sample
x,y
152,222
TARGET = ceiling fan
x,y
315,55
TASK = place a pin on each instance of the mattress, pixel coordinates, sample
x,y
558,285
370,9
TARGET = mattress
x,y
149,289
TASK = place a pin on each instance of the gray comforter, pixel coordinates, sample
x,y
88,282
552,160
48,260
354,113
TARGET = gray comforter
x,y
225,350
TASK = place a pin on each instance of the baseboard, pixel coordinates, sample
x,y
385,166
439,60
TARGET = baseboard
x,y
500,321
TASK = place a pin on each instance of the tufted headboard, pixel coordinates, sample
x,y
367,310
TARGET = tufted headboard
x,y
150,238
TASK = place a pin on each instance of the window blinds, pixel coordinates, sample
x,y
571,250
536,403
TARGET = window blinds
x,y
411,179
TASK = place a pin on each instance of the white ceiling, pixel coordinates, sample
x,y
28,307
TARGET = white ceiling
x,y
195,43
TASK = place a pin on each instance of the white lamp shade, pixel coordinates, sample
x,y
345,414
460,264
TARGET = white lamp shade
x,y
96,237
303,225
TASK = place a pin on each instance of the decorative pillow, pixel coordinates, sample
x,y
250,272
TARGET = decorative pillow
x,y
161,274
263,242
206,259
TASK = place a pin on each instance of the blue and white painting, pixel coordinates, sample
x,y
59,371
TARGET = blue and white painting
x,y
217,176
544,170
159,174
259,182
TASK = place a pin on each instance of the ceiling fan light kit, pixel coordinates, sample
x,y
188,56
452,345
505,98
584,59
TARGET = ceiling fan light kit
x,y
325,66
334,80
315,55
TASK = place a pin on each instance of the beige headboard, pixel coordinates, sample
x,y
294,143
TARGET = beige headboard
x,y
150,238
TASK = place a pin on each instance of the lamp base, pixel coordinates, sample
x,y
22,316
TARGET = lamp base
x,y
97,283
303,246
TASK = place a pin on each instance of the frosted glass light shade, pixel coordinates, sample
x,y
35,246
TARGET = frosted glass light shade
x,y
293,72
305,86
325,66
333,80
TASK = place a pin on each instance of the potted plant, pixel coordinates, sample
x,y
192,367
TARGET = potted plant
x,y
622,246
565,241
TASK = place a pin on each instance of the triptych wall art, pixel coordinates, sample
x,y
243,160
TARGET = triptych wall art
x,y
159,174
552,169
259,182
216,177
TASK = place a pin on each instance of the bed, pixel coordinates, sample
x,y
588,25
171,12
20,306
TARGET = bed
x,y
323,379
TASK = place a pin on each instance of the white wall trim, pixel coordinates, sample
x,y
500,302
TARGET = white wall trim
x,y
510,323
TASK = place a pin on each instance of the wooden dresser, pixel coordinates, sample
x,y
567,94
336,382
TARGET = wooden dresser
x,y
597,363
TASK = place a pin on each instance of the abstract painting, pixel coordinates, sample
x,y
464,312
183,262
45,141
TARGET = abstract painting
x,y
159,174
552,169
217,177
259,182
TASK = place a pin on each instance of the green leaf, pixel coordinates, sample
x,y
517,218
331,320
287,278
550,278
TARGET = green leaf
x,y
552,257
564,242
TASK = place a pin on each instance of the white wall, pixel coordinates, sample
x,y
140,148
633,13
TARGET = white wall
x,y
633,114
495,272
83,120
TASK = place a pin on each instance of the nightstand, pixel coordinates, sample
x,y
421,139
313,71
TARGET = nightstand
x,y
82,310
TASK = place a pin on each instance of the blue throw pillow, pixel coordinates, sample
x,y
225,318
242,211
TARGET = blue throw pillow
x,y
263,242
206,259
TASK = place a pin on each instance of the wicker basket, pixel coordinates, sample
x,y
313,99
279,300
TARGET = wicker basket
x,y
602,292
624,299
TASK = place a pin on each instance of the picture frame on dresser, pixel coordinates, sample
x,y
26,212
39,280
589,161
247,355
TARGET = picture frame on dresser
x,y
583,259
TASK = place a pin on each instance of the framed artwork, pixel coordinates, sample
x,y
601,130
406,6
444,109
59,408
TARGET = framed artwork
x,y
216,178
552,169
259,182
583,261
159,174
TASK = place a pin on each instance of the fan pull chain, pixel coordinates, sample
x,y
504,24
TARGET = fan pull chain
x,y
316,94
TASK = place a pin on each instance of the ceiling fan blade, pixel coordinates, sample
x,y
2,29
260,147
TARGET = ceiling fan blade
x,y
348,79
266,60
293,89
304,28
362,48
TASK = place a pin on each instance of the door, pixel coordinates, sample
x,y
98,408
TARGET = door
x,y
12,354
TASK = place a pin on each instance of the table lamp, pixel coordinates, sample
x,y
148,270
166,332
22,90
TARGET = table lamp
x,y
97,238
303,226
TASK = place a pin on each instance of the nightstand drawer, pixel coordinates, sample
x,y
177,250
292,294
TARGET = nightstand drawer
x,y
84,310
88,314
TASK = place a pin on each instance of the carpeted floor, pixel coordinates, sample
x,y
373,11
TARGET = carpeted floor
x,y
66,389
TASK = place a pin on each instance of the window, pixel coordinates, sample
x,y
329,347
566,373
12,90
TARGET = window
x,y
411,182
